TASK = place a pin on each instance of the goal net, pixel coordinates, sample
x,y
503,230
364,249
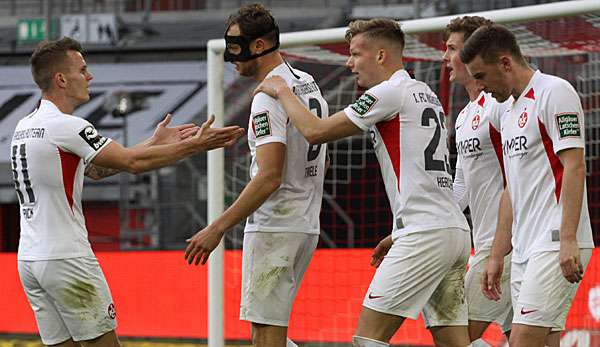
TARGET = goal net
x,y
355,211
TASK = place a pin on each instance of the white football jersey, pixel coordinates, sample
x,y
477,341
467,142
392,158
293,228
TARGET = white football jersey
x,y
479,165
408,130
49,151
544,120
296,205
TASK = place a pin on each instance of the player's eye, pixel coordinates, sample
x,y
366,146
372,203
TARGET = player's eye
x,y
234,48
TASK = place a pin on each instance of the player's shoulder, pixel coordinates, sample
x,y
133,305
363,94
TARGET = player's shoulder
x,y
550,84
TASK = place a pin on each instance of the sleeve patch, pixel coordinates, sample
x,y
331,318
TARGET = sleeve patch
x,y
261,124
90,135
364,104
568,125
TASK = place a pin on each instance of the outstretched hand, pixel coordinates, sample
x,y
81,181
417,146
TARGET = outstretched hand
x,y
271,86
202,244
164,135
209,138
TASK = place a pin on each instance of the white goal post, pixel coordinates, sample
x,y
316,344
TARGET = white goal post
x,y
215,165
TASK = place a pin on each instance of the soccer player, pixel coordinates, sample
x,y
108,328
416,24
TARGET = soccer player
x,y
479,178
51,151
543,144
421,265
282,201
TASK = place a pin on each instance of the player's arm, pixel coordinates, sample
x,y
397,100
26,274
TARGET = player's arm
x,y
501,246
573,179
315,130
144,158
459,187
270,158
162,135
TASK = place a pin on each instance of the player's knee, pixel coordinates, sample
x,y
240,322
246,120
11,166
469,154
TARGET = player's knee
x,y
359,341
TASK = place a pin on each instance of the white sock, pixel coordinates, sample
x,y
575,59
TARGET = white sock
x,y
359,341
290,343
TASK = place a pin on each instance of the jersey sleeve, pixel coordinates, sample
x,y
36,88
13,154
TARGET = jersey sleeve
x,y
563,117
377,104
459,187
78,136
268,120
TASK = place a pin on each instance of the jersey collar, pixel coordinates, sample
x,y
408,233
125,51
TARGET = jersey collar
x,y
400,74
529,91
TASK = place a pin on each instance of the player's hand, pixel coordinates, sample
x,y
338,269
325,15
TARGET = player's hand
x,y
202,244
208,138
271,86
380,251
570,261
164,135
491,277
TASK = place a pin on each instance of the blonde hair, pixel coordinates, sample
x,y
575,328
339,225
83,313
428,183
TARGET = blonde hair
x,y
377,28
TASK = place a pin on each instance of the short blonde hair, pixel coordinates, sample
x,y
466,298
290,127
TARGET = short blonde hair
x,y
377,28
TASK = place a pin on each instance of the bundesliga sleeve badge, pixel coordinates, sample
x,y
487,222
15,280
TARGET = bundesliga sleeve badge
x,y
567,125
261,124
90,135
364,104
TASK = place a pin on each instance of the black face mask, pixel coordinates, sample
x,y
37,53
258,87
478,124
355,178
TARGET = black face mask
x,y
244,43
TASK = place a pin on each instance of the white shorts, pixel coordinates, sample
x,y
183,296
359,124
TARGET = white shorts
x,y
423,271
70,298
273,265
541,295
481,308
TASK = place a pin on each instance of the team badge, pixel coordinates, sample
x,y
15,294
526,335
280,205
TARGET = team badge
x,y
112,313
568,125
364,104
90,135
261,124
523,119
475,122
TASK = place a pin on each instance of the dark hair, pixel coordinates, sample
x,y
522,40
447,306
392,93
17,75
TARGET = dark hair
x,y
49,57
489,42
466,25
377,28
255,21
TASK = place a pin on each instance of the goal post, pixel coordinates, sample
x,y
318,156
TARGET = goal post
x,y
216,96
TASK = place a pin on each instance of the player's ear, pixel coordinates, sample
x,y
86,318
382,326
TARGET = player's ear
x,y
381,56
60,80
506,63
259,45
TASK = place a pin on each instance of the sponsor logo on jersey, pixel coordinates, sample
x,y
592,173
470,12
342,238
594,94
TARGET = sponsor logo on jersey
x,y
92,138
364,104
470,148
475,122
568,125
261,124
515,147
522,119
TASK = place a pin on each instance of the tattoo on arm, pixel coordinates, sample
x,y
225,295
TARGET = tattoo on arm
x,y
98,172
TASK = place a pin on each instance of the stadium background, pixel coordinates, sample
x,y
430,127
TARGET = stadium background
x,y
151,54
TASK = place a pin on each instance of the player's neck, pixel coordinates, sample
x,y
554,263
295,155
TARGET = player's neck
x,y
267,64
473,90
390,70
60,101
522,75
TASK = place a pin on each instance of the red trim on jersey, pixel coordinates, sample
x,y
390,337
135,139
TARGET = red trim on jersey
x,y
481,101
530,94
68,163
555,164
497,143
390,133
